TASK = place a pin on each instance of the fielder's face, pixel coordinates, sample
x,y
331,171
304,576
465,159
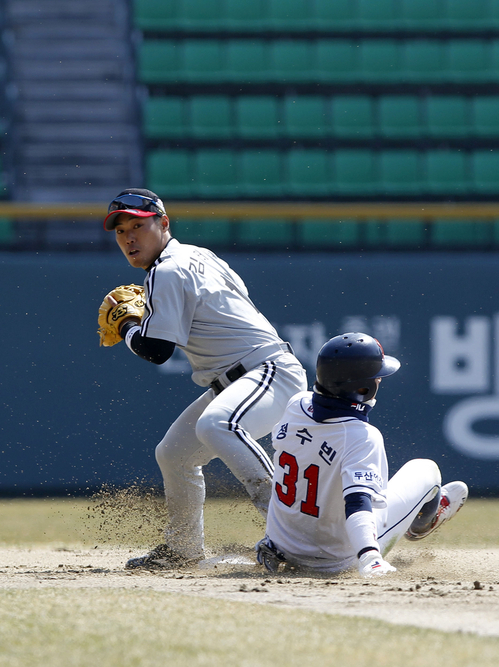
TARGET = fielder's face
x,y
141,240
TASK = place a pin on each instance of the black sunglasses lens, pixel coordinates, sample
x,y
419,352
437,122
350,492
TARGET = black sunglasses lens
x,y
131,201
135,200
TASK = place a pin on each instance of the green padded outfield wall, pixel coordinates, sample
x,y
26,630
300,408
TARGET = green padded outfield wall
x,y
76,416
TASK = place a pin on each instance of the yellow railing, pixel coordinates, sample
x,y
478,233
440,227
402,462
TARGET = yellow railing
x,y
285,210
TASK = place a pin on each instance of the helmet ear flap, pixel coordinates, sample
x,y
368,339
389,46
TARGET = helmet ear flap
x,y
351,391
371,389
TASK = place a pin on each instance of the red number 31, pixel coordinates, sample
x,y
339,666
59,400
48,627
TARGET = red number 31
x,y
286,492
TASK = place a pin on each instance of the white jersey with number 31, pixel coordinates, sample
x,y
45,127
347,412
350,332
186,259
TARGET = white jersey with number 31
x,y
316,466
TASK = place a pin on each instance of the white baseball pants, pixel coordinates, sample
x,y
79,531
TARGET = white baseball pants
x,y
225,426
416,483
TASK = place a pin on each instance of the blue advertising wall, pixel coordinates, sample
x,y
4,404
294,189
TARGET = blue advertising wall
x,y
76,416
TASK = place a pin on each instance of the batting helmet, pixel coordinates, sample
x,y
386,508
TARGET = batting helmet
x,y
348,365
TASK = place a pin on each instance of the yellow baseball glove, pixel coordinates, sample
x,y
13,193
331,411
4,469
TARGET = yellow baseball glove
x,y
123,303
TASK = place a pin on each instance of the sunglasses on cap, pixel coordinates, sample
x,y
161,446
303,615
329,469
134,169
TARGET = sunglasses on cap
x,y
137,202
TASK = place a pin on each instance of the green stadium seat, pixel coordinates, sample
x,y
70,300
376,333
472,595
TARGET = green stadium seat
x,y
169,173
291,60
160,61
485,116
305,116
421,14
289,15
203,60
452,234
466,14
446,172
257,117
405,233
467,60
319,234
447,116
260,173
7,231
400,172
394,233
200,14
336,60
373,233
335,15
210,116
155,15
493,13
215,173
379,60
423,61
493,54
308,172
164,117
399,116
381,14
352,116
247,61
354,172
242,15
264,233
485,172
209,233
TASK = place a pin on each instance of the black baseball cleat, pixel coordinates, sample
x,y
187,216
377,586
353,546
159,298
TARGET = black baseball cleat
x,y
161,557
268,555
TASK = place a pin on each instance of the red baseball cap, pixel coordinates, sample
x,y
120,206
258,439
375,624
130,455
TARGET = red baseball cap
x,y
138,202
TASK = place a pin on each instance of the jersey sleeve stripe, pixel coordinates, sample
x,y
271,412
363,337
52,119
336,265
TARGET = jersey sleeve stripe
x,y
360,488
150,281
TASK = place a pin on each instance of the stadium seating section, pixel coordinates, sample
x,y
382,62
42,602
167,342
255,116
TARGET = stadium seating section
x,y
321,61
310,173
323,100
318,117
315,15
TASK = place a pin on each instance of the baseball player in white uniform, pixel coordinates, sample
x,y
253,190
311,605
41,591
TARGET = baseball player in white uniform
x,y
332,505
195,301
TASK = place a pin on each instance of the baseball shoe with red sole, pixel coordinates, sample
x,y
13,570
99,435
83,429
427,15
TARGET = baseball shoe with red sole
x,y
452,498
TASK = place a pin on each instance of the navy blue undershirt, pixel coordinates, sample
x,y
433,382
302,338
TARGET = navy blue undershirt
x,y
329,407
155,350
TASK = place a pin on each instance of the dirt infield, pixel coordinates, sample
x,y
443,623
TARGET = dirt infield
x,y
454,590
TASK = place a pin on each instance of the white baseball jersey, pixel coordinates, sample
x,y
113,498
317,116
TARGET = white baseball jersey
x,y
316,466
195,300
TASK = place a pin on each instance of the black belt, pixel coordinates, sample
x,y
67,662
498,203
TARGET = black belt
x,y
237,372
232,375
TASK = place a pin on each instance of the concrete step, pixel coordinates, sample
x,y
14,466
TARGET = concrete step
x,y
101,132
89,193
53,30
55,90
37,10
66,49
74,99
76,153
74,174
71,70
89,112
